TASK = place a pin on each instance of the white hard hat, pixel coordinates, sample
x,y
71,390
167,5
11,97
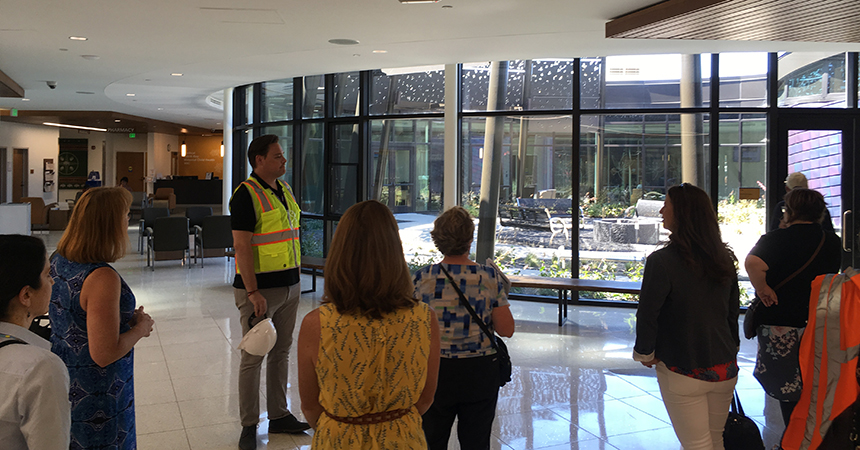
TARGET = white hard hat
x,y
260,339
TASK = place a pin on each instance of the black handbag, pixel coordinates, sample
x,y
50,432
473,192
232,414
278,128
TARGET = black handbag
x,y
741,432
753,316
505,366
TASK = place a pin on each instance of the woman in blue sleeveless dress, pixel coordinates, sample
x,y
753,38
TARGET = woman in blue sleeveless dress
x,y
94,321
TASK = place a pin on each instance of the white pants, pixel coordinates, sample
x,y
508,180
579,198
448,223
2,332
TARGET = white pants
x,y
698,408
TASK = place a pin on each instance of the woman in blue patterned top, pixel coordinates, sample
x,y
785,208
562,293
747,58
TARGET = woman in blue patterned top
x,y
469,371
94,321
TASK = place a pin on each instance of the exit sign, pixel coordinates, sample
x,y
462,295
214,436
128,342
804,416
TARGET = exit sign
x,y
132,135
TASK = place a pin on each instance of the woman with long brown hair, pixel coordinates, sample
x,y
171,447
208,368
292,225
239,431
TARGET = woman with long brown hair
x,y
369,356
687,321
94,321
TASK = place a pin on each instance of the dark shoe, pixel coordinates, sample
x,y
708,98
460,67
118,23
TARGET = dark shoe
x,y
288,424
248,439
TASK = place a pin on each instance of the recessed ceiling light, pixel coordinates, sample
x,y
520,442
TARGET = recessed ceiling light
x,y
447,6
64,49
116,120
380,51
77,38
25,99
343,41
176,74
91,57
356,54
85,92
161,109
409,2
129,95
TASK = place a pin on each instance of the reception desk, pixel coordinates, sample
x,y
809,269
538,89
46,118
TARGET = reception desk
x,y
193,192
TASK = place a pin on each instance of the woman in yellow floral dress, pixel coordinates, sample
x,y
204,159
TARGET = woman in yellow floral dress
x,y
369,356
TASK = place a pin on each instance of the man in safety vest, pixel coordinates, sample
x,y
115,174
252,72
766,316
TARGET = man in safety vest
x,y
265,222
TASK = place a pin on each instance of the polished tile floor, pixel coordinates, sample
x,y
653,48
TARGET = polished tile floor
x,y
574,387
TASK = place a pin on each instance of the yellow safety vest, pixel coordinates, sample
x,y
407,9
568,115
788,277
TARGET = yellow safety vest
x,y
275,242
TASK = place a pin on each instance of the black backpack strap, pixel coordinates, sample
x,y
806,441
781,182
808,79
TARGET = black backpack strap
x,y
9,339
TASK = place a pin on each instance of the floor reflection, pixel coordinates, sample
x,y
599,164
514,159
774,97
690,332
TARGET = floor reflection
x,y
574,387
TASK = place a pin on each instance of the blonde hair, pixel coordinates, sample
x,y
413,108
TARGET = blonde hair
x,y
366,273
453,231
98,227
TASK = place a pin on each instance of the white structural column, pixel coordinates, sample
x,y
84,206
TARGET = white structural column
x,y
451,178
227,175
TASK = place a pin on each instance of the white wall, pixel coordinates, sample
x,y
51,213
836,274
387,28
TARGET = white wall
x,y
120,142
158,156
41,143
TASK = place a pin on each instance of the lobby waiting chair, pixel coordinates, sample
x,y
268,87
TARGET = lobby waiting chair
x,y
195,215
163,198
166,235
214,233
139,201
147,221
38,212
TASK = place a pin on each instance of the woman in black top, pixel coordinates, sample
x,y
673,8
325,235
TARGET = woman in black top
x,y
775,257
687,321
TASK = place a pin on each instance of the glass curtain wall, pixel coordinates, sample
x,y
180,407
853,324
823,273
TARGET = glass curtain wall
x,y
588,147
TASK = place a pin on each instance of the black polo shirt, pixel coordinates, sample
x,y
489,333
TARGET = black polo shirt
x,y
243,217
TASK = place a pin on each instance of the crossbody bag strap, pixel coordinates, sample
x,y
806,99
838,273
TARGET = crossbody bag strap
x,y
9,339
817,249
468,307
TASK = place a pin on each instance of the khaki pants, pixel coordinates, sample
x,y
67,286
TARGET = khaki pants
x,y
698,408
282,305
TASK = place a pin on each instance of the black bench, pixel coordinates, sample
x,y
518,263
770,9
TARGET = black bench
x,y
563,285
314,263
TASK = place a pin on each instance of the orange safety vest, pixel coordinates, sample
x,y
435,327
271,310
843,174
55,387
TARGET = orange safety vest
x,y
828,359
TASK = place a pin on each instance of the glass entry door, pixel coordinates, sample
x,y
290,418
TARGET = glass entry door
x,y
823,149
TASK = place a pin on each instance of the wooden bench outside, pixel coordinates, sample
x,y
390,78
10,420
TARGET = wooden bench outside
x,y
315,263
563,285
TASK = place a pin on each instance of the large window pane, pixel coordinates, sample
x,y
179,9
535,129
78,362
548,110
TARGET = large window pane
x,y
811,80
407,164
627,163
409,90
312,168
529,85
346,94
343,181
536,175
277,98
249,104
645,81
743,79
285,135
313,97
312,237
346,145
742,176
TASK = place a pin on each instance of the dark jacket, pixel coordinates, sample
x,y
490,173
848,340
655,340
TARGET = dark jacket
x,y
688,320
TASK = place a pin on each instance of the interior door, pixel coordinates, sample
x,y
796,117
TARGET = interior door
x,y
19,174
823,149
131,165
3,175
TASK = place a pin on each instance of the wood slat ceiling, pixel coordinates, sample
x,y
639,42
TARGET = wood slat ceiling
x,y
743,20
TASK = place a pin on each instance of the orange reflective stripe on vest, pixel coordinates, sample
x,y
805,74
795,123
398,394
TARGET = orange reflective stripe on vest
x,y
828,359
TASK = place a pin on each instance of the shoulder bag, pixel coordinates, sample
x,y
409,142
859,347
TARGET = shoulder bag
x,y
753,316
741,432
505,366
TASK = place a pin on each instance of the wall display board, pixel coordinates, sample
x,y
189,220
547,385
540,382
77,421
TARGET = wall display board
x,y
72,164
